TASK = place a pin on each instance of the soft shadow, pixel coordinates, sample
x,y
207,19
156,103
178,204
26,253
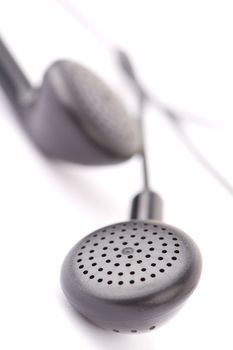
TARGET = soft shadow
x,y
83,188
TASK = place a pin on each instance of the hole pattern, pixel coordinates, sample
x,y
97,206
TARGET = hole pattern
x,y
132,253
135,330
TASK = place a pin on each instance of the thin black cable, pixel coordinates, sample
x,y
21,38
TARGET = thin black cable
x,y
128,68
141,108
201,158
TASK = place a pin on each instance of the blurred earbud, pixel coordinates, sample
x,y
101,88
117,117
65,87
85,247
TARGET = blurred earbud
x,y
78,118
74,115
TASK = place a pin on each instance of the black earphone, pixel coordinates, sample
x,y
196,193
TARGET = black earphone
x,y
127,277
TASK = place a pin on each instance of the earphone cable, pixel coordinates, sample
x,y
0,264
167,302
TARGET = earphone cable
x,y
127,66
141,107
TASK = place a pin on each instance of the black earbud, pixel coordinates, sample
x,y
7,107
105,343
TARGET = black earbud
x,y
132,276
74,115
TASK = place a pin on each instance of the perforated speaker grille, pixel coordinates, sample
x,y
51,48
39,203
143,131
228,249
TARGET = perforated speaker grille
x,y
129,254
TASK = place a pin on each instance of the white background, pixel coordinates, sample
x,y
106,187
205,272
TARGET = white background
x,y
183,52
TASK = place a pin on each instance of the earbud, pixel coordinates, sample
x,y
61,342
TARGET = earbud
x,y
74,115
131,276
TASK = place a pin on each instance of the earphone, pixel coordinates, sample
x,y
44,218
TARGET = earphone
x,y
130,276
